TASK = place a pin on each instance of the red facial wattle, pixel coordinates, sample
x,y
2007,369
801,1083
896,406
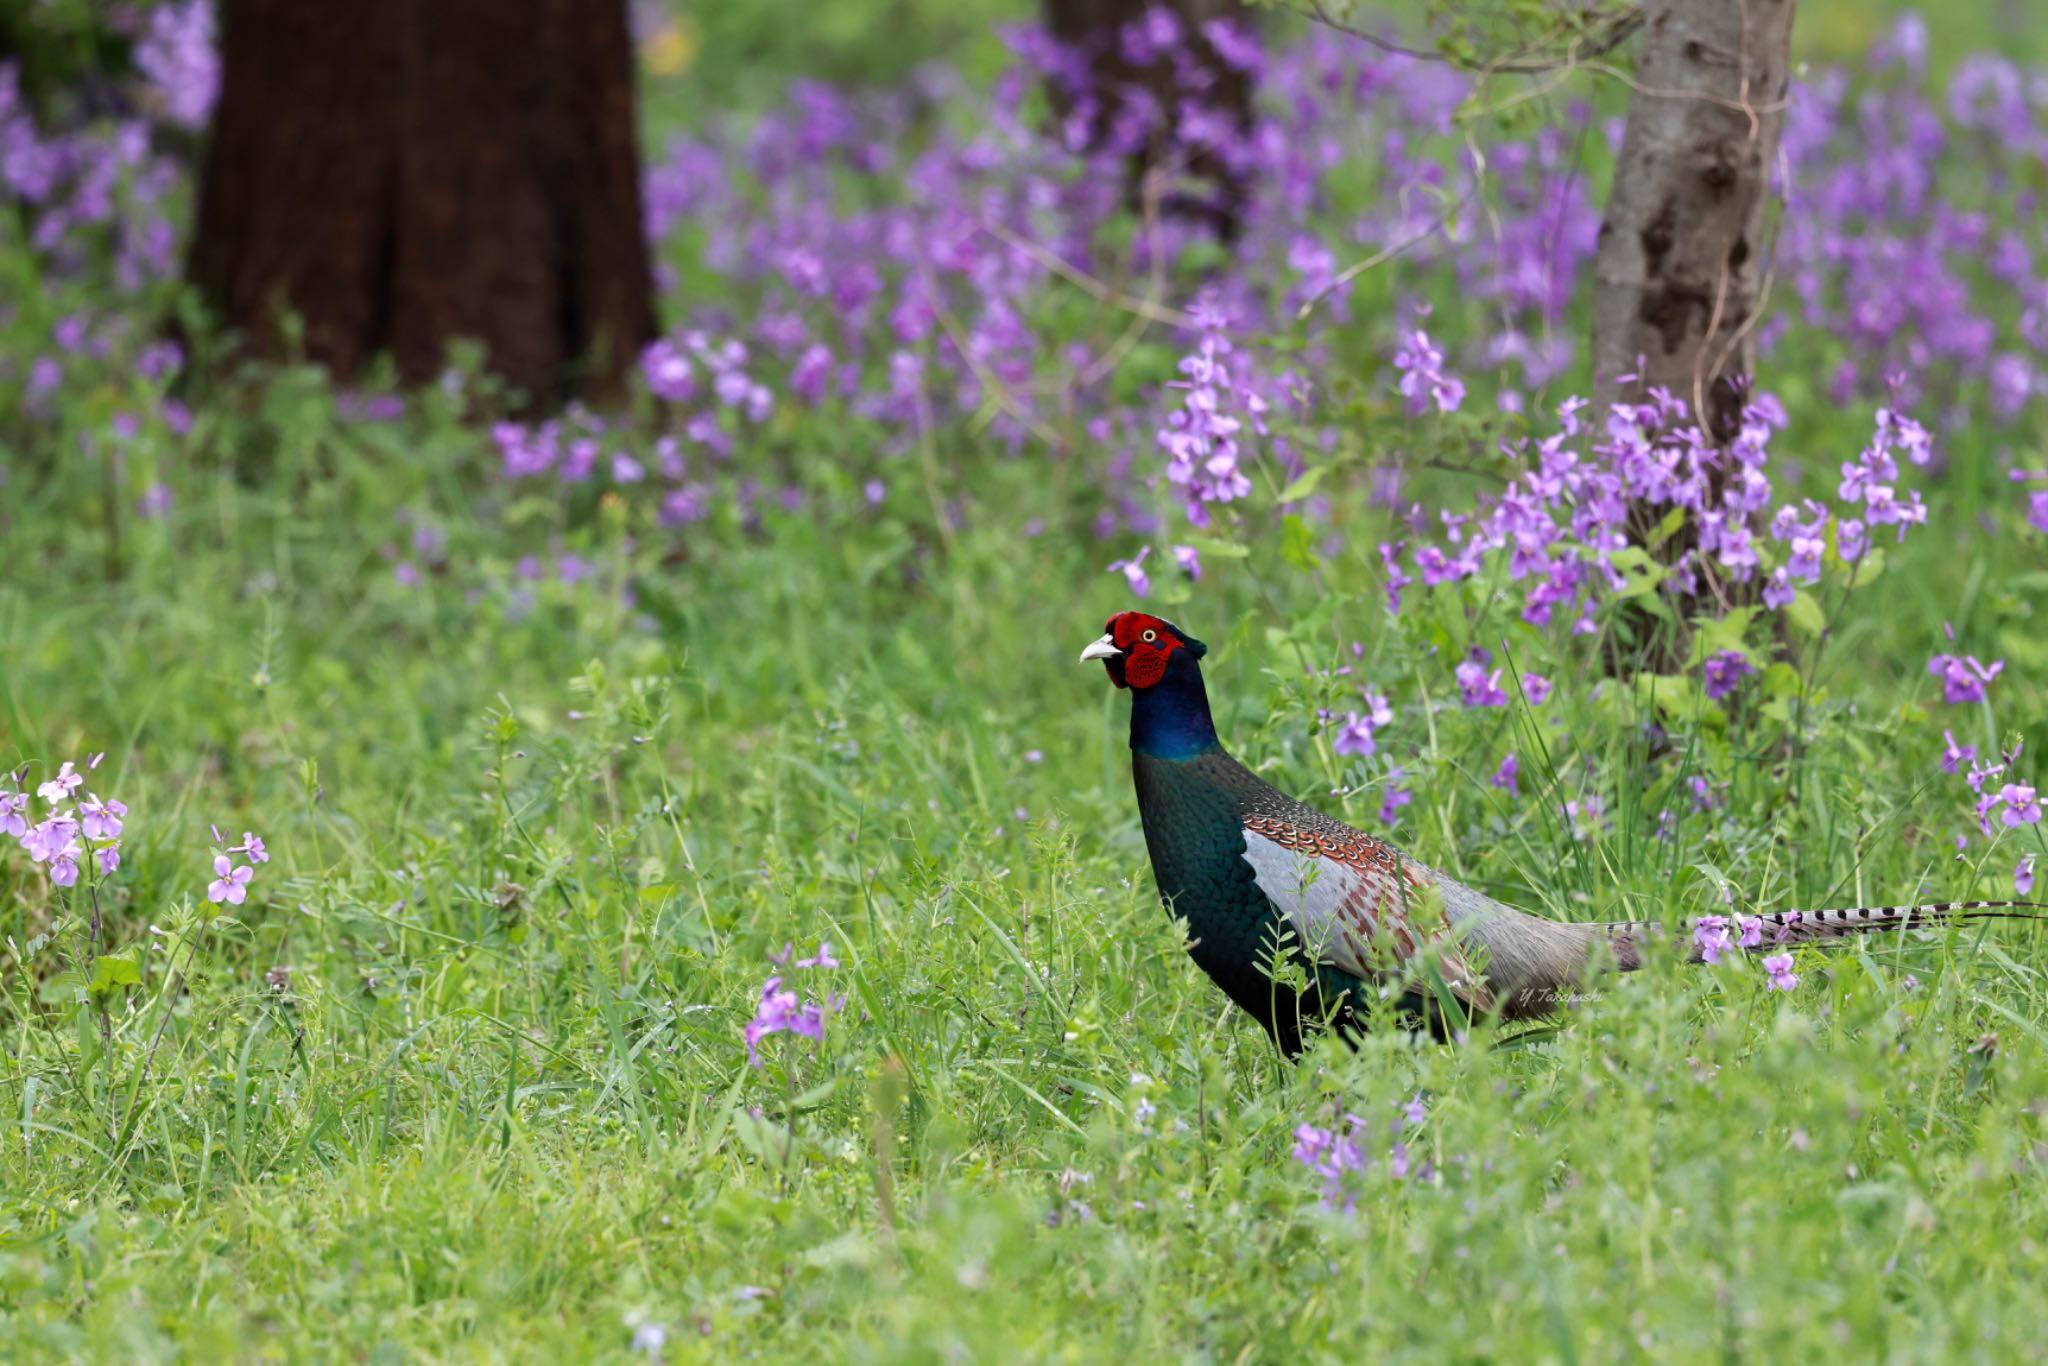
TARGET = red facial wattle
x,y
1146,645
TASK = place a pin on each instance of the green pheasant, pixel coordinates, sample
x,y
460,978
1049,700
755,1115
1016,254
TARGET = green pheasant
x,y
1264,881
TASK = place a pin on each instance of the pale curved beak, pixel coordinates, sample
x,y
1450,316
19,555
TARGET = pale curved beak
x,y
1104,648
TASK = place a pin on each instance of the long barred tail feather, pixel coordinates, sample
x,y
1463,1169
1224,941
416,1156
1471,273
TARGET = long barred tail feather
x,y
1806,927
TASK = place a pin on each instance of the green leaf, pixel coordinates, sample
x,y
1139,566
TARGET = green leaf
x,y
1211,547
1805,614
1304,484
1667,528
1297,544
112,970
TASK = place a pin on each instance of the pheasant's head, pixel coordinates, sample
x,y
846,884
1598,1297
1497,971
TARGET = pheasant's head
x,y
1138,649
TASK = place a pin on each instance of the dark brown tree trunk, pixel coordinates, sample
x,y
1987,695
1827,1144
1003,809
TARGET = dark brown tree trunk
x,y
1214,193
399,174
1682,248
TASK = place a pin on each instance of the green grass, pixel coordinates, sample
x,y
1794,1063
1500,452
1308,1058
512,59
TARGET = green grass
x,y
530,861
488,1122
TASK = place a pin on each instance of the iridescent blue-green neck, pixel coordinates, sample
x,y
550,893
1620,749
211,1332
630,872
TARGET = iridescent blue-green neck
x,y
1170,719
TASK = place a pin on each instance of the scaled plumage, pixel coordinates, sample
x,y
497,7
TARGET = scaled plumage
x,y
1263,881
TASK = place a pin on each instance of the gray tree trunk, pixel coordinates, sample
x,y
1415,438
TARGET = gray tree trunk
x,y
1681,250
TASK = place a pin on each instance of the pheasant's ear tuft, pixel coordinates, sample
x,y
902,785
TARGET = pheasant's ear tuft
x,y
1194,647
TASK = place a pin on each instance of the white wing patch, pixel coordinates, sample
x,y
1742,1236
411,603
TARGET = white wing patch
x,y
1343,911
1333,906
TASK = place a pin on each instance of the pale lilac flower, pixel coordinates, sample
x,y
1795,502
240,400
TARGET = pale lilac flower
x,y
2022,804
12,821
230,884
1779,966
109,857
1189,560
2023,875
1954,756
60,788
1134,572
1752,931
1710,937
252,845
822,959
100,820
50,838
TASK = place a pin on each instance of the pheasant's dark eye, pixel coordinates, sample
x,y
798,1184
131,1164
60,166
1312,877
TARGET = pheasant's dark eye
x,y
1151,636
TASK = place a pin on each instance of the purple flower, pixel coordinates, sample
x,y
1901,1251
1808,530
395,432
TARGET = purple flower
x,y
771,1015
2022,804
101,820
1506,775
1537,688
1134,572
1478,688
1423,380
12,821
1779,966
1396,798
1963,677
178,57
51,838
1200,438
2023,876
1751,931
1954,756
230,884
1724,670
109,858
252,846
1412,1110
1585,816
822,959
1710,937
668,371
1189,560
1354,737
778,1011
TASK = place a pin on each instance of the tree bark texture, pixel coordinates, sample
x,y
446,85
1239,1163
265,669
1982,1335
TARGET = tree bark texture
x,y
1092,27
1681,250
402,173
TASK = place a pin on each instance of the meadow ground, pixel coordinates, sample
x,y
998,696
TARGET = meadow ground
x,y
548,783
